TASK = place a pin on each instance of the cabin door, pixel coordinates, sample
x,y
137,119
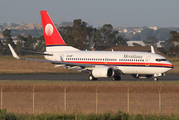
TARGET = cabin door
x,y
147,61
62,57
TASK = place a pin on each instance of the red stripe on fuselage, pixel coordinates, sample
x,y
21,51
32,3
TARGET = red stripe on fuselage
x,y
123,63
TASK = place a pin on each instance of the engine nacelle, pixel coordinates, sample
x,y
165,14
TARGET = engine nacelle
x,y
141,76
99,72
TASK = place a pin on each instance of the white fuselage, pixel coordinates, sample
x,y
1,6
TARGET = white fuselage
x,y
127,62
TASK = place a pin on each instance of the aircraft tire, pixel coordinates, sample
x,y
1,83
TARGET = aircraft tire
x,y
155,79
91,78
116,78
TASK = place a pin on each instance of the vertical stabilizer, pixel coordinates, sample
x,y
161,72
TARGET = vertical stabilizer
x,y
53,39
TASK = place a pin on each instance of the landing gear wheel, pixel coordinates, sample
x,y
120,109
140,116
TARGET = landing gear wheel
x,y
116,78
155,79
91,78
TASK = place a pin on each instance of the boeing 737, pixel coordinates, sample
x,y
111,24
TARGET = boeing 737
x,y
99,64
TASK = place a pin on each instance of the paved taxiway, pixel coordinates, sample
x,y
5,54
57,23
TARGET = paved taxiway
x,y
80,77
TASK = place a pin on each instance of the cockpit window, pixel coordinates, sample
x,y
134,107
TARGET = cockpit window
x,y
161,60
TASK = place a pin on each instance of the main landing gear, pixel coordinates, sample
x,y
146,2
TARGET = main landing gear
x,y
116,78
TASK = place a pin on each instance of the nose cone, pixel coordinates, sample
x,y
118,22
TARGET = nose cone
x,y
170,66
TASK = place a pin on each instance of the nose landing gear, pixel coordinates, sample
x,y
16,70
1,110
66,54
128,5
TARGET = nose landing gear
x,y
155,78
158,75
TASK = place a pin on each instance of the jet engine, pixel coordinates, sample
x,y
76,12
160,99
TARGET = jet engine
x,y
141,76
100,72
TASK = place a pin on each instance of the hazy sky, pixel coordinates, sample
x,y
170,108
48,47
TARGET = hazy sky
x,y
119,13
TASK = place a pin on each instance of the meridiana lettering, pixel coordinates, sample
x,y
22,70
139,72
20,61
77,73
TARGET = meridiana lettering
x,y
132,56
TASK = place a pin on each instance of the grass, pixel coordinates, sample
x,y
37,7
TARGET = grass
x,y
4,115
175,62
9,65
90,84
84,82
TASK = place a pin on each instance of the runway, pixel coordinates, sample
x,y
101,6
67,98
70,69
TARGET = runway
x,y
80,77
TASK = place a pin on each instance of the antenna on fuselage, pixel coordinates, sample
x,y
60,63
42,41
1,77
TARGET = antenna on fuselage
x,y
152,49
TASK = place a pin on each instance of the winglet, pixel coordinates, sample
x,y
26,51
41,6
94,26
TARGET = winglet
x,y
152,49
13,52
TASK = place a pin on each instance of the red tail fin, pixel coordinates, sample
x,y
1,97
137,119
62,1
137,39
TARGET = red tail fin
x,y
51,34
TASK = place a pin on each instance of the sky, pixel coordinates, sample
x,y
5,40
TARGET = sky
x,y
118,13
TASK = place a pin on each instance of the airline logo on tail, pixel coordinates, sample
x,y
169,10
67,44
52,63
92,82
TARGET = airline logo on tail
x,y
51,34
48,29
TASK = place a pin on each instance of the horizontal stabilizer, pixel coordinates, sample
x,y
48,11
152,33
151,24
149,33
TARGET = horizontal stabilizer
x,y
34,52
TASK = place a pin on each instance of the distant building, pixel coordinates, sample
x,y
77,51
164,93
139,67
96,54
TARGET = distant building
x,y
154,28
29,26
138,30
130,43
64,24
125,30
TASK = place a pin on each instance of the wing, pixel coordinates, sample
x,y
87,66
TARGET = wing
x,y
67,65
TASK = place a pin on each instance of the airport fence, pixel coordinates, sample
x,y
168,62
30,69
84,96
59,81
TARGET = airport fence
x,y
89,99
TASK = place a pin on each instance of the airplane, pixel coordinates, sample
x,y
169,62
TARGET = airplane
x,y
99,64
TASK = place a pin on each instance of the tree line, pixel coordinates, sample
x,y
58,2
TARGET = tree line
x,y
80,35
83,36
23,43
161,34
